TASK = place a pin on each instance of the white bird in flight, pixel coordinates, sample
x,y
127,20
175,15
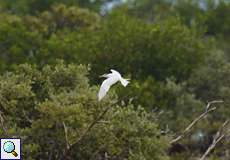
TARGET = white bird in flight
x,y
112,78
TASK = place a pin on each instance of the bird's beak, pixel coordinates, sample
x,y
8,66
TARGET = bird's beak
x,y
102,76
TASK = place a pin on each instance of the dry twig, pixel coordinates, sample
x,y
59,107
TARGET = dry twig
x,y
201,116
220,134
2,124
66,136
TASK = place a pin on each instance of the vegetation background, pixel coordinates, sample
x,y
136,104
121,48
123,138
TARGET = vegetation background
x,y
176,53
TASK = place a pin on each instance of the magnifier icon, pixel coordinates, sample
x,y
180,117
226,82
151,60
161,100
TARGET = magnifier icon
x,y
9,147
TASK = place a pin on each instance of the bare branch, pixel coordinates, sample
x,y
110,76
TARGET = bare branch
x,y
213,102
2,124
196,120
26,117
106,156
66,136
217,138
3,103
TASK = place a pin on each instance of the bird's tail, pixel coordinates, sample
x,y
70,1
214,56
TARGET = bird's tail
x,y
124,82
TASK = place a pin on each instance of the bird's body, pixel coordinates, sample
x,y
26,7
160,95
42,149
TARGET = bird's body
x,y
112,78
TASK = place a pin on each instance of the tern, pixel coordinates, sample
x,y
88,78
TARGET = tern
x,y
111,79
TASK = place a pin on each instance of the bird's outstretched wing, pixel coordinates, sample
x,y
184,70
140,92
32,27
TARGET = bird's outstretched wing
x,y
103,89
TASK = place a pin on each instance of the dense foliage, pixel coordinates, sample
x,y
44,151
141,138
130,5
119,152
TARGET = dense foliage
x,y
176,53
43,107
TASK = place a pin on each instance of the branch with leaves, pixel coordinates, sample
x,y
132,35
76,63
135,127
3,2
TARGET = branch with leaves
x,y
96,121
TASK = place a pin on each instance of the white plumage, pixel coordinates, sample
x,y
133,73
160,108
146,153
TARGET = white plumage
x,y
112,78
